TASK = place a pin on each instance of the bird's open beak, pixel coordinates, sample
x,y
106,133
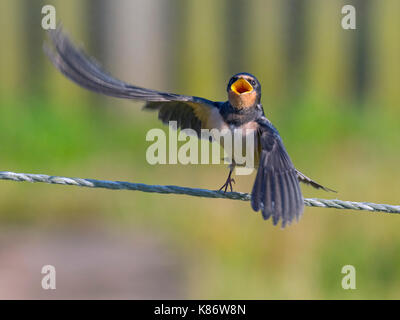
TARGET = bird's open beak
x,y
241,86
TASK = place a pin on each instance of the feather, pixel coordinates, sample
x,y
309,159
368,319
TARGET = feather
x,y
276,191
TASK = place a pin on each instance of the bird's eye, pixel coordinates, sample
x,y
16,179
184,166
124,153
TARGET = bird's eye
x,y
252,82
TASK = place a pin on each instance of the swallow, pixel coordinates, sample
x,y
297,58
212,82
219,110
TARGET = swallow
x,y
276,191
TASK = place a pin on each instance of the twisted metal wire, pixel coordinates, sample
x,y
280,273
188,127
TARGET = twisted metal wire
x,y
205,193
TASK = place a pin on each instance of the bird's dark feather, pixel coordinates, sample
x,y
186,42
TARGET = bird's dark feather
x,y
276,191
303,178
176,111
86,72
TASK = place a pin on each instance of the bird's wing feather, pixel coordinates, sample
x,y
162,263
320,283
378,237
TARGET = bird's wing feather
x,y
190,111
276,191
188,115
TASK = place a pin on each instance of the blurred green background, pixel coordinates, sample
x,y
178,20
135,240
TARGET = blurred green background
x,y
332,93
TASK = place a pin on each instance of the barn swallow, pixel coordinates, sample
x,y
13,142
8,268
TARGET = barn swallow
x,y
276,190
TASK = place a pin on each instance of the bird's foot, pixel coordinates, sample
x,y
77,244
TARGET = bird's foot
x,y
227,184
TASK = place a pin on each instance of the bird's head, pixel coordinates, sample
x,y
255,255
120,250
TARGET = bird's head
x,y
244,91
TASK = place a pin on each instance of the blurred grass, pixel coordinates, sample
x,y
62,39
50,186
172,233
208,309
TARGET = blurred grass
x,y
231,251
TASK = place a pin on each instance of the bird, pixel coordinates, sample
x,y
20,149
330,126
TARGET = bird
x,y
276,191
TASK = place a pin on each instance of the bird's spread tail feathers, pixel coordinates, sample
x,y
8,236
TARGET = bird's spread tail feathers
x,y
303,178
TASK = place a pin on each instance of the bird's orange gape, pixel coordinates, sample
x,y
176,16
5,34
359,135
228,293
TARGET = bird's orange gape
x,y
241,86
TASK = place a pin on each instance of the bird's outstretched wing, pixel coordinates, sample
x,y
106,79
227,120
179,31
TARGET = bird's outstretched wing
x,y
276,191
188,111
